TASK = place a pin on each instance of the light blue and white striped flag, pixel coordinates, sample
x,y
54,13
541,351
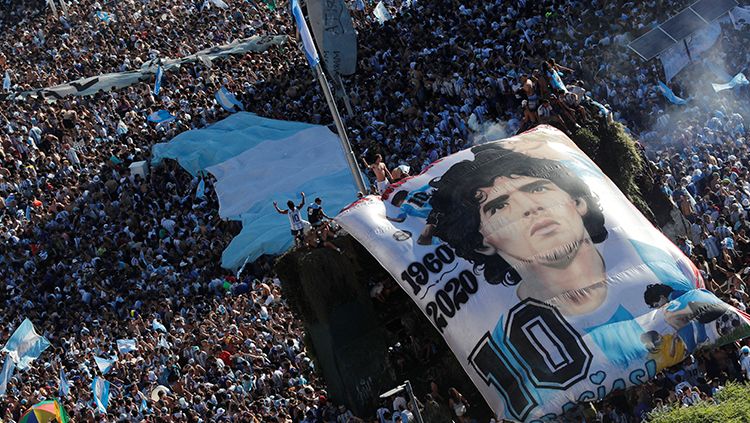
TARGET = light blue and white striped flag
x,y
738,80
157,84
6,374
220,3
160,116
304,33
104,16
105,364
64,384
125,346
157,326
228,101
382,13
670,95
100,389
122,129
25,345
6,81
200,192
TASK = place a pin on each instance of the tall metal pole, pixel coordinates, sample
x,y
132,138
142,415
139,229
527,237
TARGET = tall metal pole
x,y
350,158
410,393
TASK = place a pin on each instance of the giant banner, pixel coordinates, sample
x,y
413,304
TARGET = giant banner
x,y
546,282
118,80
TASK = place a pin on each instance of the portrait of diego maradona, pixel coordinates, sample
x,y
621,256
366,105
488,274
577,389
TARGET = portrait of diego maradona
x,y
527,222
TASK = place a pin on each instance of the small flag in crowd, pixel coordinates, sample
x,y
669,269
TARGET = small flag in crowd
x,y
738,80
157,84
25,345
100,389
200,192
228,101
157,326
64,384
670,95
163,343
105,17
125,346
160,116
220,3
105,364
6,374
6,81
122,129
304,32
382,13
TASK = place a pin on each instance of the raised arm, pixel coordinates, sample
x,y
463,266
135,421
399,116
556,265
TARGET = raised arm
x,y
276,206
364,161
302,203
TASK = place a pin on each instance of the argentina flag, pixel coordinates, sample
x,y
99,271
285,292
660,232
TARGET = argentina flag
x,y
6,81
670,95
25,345
228,101
125,346
100,389
64,384
6,374
157,84
105,364
304,33
255,161
160,116
739,80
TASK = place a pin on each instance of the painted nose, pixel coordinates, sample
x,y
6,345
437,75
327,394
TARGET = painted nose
x,y
532,210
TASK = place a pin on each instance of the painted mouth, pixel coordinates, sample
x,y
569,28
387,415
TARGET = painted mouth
x,y
543,227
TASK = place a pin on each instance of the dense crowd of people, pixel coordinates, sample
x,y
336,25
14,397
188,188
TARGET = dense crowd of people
x,y
93,251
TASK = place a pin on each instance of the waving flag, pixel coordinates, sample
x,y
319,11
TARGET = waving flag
x,y
670,95
6,374
304,33
382,13
738,80
160,116
25,345
200,192
100,389
125,346
157,84
105,364
6,81
228,101
64,384
220,3
157,326
267,156
104,16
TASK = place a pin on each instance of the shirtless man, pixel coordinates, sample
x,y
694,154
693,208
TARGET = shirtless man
x,y
382,174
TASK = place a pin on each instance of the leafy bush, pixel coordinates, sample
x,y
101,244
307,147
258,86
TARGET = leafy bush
x,y
732,407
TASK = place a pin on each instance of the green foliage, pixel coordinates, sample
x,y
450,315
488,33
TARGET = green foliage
x,y
732,407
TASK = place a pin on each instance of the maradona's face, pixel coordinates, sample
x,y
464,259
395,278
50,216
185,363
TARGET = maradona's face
x,y
531,219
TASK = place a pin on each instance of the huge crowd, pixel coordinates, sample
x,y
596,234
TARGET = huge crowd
x,y
92,252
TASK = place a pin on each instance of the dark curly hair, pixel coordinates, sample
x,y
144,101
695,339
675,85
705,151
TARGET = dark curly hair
x,y
455,203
